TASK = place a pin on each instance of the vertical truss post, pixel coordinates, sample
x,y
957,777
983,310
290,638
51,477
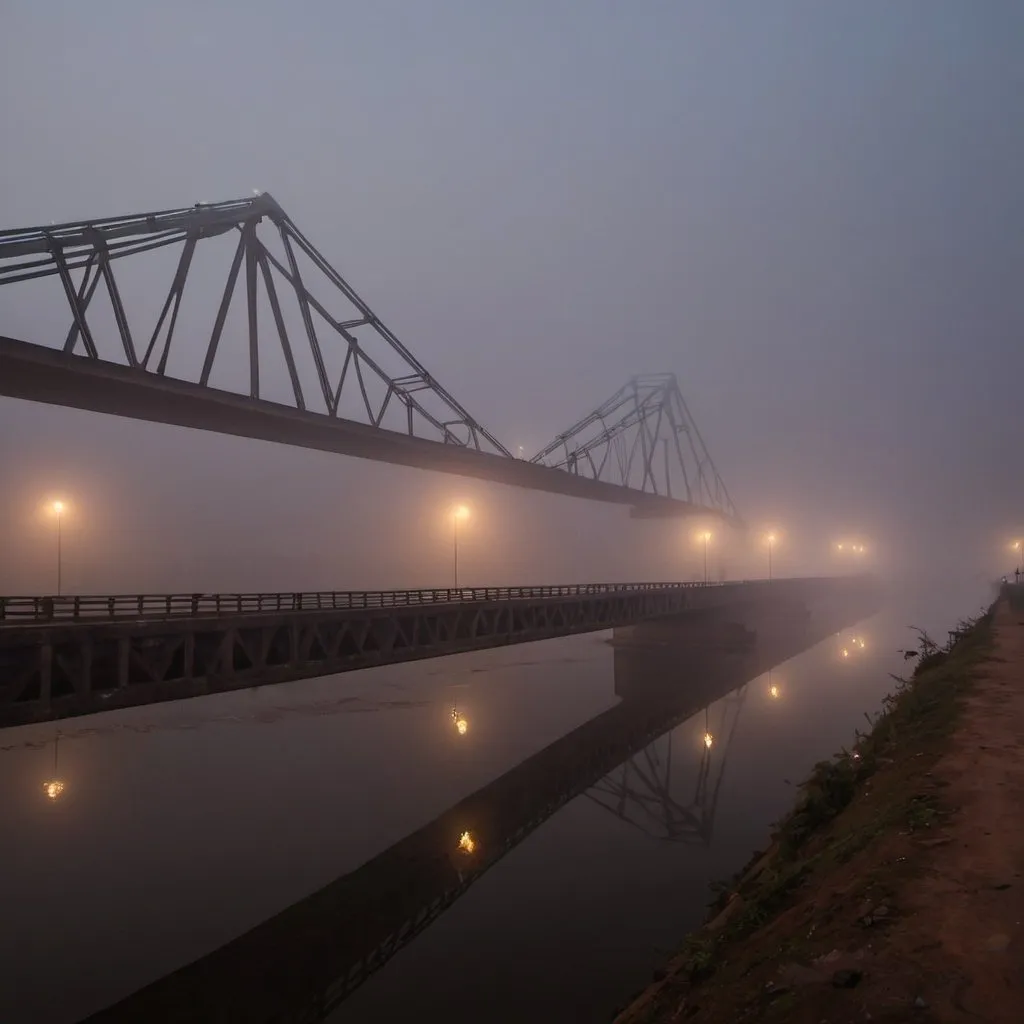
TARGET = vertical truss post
x,y
248,237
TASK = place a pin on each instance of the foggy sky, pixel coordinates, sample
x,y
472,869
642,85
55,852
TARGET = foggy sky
x,y
811,213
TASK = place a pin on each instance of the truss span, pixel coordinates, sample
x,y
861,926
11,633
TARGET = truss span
x,y
253,332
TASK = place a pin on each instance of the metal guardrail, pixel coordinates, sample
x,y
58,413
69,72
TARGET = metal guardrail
x,y
20,610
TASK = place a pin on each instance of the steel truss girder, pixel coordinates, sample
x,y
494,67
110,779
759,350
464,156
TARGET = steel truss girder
x,y
62,671
94,247
56,671
643,437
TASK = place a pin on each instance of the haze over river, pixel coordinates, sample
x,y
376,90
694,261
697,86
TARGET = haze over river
x,y
183,825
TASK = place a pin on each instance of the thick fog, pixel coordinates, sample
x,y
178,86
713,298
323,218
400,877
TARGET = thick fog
x,y
811,213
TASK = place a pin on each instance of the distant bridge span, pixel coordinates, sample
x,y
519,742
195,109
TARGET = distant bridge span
x,y
341,381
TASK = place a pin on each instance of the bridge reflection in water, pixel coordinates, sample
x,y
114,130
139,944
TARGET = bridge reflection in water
x,y
301,964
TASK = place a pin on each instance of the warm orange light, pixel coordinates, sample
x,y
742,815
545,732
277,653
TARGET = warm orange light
x,y
845,653
460,512
770,538
53,788
467,844
773,691
460,722
708,740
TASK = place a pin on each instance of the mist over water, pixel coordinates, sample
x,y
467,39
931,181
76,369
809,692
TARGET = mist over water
x,y
194,821
811,214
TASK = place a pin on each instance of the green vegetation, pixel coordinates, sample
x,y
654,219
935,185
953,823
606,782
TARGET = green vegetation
x,y
830,825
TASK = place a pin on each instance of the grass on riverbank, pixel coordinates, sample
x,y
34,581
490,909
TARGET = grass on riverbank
x,y
837,861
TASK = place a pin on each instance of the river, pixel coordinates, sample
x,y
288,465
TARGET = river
x,y
182,825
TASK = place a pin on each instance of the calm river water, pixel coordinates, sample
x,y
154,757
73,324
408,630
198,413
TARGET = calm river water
x,y
183,825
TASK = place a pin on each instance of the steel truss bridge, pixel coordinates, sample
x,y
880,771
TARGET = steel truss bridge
x,y
61,657
254,333
302,963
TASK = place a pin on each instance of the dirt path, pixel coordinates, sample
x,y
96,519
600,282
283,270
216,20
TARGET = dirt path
x,y
970,897
906,906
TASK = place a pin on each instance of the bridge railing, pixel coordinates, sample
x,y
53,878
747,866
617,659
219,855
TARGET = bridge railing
x,y
22,610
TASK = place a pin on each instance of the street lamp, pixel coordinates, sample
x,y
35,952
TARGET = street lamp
x,y
1019,548
58,508
705,536
459,512
771,543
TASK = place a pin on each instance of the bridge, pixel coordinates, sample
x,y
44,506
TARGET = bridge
x,y
313,365
68,656
302,963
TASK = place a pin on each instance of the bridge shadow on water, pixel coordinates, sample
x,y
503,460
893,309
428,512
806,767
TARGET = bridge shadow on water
x,y
301,964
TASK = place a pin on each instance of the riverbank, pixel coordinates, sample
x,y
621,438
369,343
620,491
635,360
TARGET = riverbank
x,y
893,891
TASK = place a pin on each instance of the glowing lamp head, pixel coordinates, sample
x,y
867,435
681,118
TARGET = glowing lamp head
x,y
845,653
770,538
708,740
467,844
460,512
53,789
773,692
461,726
58,507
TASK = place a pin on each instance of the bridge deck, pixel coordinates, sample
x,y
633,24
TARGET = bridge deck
x,y
58,668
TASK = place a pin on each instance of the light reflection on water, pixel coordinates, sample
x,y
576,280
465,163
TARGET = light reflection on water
x,y
185,824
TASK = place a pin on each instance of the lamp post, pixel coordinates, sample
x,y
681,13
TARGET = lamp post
x,y
771,543
58,510
459,512
706,536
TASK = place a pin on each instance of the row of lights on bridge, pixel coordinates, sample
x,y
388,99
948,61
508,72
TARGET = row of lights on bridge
x,y
460,513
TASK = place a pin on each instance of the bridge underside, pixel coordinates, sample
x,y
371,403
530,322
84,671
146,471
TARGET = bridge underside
x,y
38,374
58,671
